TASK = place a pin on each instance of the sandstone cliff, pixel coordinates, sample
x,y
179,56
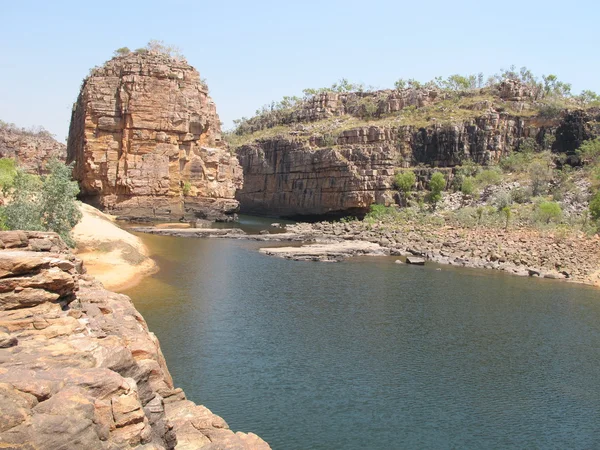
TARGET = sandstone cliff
x,y
31,150
146,140
79,368
336,154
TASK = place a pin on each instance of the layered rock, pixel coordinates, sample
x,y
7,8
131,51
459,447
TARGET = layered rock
x,y
79,368
146,140
30,150
308,172
292,177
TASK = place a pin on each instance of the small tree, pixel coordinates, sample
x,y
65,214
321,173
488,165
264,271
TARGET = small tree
x,y
595,206
540,174
507,214
8,172
122,51
549,211
24,210
59,211
468,186
405,182
48,204
436,186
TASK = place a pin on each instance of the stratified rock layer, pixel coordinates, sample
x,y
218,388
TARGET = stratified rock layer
x,y
30,150
79,368
343,173
146,141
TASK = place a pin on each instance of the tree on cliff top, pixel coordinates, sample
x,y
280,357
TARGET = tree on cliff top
x,y
157,47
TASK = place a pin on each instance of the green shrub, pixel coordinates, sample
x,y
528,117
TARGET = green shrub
x,y
507,215
589,151
528,145
47,204
379,212
437,183
595,206
405,181
520,195
549,211
540,175
122,51
187,186
468,186
24,212
516,162
488,177
8,172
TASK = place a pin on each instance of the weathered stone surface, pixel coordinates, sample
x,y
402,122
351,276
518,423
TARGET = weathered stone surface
x,y
146,141
415,260
310,172
87,373
31,151
291,177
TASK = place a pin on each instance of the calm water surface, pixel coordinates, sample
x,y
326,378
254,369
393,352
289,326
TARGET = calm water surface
x,y
368,354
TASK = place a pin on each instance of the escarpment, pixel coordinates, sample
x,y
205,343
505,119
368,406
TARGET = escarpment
x,y
146,141
337,153
31,150
79,368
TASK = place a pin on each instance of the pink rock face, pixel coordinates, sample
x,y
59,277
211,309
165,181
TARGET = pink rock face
x,y
30,150
146,141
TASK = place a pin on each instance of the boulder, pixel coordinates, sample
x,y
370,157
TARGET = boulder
x,y
414,260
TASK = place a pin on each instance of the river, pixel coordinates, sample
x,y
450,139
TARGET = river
x,y
368,354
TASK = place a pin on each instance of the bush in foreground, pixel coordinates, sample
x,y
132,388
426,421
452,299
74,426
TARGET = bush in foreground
x,y
43,204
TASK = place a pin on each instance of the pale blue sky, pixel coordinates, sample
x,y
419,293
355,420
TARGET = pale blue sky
x,y
255,52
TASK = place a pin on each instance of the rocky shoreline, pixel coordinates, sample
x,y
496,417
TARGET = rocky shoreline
x,y
79,368
522,252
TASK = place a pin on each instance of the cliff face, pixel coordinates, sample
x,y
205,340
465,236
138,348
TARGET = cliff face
x,y
146,141
31,151
316,169
79,368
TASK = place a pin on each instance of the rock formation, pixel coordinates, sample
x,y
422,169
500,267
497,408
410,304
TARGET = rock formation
x,y
31,150
331,168
146,141
79,368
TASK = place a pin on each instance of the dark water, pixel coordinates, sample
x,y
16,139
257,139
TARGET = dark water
x,y
367,354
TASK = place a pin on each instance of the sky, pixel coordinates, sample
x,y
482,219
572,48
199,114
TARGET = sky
x,y
254,52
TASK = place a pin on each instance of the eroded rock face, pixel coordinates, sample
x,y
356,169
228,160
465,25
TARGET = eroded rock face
x,y
293,177
79,368
31,151
146,141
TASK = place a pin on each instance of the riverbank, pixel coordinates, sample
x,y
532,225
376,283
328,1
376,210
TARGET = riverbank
x,y
115,257
79,368
523,252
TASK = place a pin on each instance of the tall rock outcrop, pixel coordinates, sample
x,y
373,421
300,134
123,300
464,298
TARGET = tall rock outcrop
x,y
30,149
336,154
146,140
79,368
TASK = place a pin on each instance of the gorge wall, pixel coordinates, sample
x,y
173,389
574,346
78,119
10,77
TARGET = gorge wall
x,y
30,150
146,141
309,167
80,370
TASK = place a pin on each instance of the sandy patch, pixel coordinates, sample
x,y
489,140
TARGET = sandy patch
x,y
115,257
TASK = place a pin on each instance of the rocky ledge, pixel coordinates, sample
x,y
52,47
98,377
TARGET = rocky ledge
x,y
79,368
523,252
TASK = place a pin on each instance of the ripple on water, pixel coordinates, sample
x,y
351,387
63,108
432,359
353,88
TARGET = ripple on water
x,y
374,355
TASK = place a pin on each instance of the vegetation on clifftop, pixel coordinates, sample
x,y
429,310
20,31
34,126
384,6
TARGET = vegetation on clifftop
x,y
455,98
